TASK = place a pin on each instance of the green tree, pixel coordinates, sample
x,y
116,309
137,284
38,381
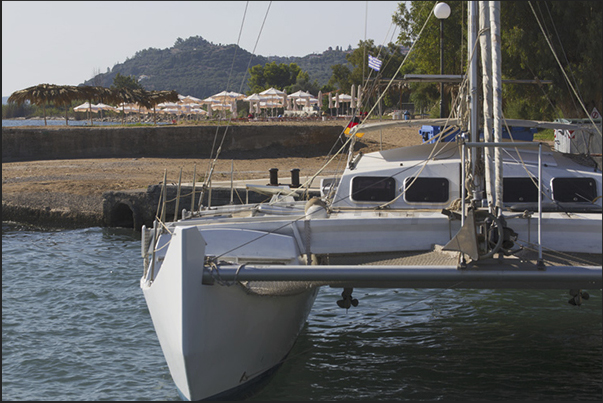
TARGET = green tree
x,y
570,27
129,82
303,83
391,56
280,76
341,77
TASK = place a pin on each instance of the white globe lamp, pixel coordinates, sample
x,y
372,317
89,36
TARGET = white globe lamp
x,y
441,11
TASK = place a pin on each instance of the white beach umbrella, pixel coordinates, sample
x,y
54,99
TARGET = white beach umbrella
x,y
190,100
359,97
306,101
224,97
209,101
273,93
256,98
296,96
128,108
284,100
168,105
343,98
172,111
236,95
221,107
86,107
198,111
352,94
300,94
104,107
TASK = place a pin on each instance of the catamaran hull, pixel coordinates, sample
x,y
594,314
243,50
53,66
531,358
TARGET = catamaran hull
x,y
217,338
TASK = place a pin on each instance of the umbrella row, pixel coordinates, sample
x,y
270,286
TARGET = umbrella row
x,y
226,101
273,98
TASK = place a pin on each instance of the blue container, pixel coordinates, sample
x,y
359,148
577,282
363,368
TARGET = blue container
x,y
519,133
429,132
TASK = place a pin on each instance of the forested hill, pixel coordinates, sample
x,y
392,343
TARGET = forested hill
x,y
199,68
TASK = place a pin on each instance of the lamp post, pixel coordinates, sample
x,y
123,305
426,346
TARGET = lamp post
x,y
442,11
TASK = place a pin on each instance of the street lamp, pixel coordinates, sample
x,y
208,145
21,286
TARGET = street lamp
x,y
442,11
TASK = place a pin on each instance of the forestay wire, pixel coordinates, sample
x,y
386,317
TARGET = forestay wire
x,y
215,159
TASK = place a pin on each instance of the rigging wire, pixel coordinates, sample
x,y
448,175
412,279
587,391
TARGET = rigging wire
x,y
569,66
400,67
563,70
215,159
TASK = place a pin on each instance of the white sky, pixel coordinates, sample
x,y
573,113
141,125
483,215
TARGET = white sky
x,y
64,43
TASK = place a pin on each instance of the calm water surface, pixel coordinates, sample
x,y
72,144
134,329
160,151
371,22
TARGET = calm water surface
x,y
75,327
59,122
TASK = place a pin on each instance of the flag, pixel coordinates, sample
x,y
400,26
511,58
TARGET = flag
x,y
353,123
374,63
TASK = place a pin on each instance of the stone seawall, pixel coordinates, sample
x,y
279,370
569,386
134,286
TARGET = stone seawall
x,y
65,207
48,143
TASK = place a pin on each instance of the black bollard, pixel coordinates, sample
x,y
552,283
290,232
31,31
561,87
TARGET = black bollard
x,y
295,178
273,177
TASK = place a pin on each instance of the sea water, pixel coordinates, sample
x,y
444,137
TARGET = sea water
x,y
59,122
75,327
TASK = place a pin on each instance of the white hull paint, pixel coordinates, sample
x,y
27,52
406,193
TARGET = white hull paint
x,y
216,338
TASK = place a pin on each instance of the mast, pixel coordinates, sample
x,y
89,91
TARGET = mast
x,y
484,39
473,122
497,98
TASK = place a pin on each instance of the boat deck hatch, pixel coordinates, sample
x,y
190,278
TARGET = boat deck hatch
x,y
574,189
520,190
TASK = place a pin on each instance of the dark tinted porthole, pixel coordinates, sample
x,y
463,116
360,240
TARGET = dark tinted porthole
x,y
426,190
574,189
373,188
520,190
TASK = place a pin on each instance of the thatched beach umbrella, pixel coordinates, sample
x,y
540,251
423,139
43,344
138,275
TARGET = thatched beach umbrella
x,y
126,96
43,94
90,93
157,97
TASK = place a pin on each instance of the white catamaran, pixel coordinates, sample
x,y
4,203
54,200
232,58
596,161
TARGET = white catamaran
x,y
230,287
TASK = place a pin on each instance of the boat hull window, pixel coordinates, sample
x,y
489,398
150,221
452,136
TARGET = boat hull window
x,y
520,190
574,189
373,188
426,190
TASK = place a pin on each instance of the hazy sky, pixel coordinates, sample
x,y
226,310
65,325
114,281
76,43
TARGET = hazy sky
x,y
64,43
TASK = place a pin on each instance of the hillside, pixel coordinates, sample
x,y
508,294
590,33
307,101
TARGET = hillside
x,y
199,68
